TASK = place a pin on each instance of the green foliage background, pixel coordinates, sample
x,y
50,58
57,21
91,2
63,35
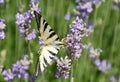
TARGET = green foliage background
x,y
106,36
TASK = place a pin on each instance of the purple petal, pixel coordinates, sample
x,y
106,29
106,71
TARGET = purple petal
x,y
67,16
97,62
108,66
31,35
2,35
89,9
1,1
66,75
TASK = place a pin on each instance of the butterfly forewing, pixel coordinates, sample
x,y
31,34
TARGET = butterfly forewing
x,y
51,40
46,32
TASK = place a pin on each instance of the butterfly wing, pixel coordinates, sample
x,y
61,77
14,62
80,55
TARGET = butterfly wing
x,y
51,40
45,31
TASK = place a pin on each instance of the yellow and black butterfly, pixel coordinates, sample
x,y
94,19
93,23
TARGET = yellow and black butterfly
x,y
51,46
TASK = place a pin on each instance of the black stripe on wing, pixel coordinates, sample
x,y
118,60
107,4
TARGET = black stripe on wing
x,y
45,60
52,53
50,30
45,26
57,39
38,19
51,35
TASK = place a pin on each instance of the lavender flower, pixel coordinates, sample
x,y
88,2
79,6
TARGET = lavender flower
x,y
2,27
2,24
85,7
63,67
116,4
18,70
94,53
23,20
97,62
28,16
2,35
34,6
32,35
102,65
1,1
113,78
19,19
8,75
67,16
76,33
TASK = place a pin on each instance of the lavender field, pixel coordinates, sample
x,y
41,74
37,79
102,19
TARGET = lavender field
x,y
89,31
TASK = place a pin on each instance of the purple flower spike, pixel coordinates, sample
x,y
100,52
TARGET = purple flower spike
x,y
77,32
94,53
8,75
63,67
23,20
19,19
85,7
34,6
28,16
18,69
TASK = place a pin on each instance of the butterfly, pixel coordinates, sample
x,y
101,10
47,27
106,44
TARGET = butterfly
x,y
51,45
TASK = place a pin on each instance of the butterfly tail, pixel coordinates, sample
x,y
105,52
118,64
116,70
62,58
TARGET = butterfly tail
x,y
37,69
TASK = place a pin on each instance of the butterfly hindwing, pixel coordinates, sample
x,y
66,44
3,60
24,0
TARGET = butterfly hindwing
x,y
46,56
51,40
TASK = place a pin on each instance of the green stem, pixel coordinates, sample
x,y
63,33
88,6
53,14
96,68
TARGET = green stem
x,y
106,17
115,34
71,76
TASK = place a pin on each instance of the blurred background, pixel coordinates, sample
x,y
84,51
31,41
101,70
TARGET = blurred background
x,y
105,19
